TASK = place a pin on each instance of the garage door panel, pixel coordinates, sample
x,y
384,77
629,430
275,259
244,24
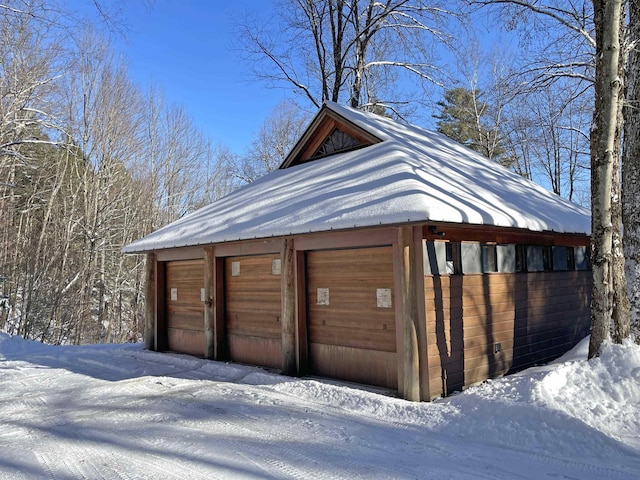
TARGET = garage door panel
x,y
252,310
255,350
356,365
369,339
351,333
252,325
185,320
185,310
186,341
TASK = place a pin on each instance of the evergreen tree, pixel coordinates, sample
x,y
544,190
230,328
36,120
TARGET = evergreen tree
x,y
464,117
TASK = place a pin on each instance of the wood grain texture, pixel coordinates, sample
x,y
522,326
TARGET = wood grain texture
x,y
534,318
352,320
252,311
185,315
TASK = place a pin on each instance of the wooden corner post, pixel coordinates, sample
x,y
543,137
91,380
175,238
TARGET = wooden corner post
x,y
150,302
410,360
288,316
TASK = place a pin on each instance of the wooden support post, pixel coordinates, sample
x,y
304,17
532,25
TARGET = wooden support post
x,y
161,336
150,302
209,302
288,316
410,356
421,315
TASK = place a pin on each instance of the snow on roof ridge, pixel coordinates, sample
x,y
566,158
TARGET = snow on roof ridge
x,y
413,175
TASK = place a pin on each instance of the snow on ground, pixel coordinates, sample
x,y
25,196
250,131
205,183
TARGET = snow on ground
x,y
119,412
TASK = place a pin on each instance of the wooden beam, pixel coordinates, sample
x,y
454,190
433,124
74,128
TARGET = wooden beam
x,y
182,253
288,317
209,301
407,324
150,302
359,238
248,247
421,314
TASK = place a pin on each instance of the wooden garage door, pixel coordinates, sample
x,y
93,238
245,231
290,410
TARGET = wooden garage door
x,y
252,309
352,331
185,310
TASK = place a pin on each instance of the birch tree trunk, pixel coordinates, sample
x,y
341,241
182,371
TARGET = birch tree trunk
x,y
631,167
607,16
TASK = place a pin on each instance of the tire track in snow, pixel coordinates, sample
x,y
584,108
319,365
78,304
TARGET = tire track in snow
x,y
443,445
92,463
266,440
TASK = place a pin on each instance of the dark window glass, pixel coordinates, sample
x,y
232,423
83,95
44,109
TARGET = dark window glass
x,y
547,258
571,259
337,141
521,258
489,258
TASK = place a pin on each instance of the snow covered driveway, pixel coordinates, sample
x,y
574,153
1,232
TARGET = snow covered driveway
x,y
119,412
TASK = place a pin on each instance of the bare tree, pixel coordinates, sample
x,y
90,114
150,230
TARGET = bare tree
x,y
88,163
351,51
272,142
576,53
550,137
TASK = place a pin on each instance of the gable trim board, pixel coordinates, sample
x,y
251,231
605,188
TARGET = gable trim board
x,y
331,218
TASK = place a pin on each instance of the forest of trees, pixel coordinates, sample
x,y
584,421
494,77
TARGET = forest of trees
x,y
90,161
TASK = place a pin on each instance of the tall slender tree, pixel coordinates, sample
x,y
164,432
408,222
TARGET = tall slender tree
x,y
631,168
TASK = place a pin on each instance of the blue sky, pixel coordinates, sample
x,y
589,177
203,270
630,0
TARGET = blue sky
x,y
186,48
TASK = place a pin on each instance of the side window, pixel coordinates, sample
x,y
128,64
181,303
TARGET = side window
x,y
453,258
582,258
506,255
441,258
547,258
571,258
535,258
563,258
471,257
489,258
521,258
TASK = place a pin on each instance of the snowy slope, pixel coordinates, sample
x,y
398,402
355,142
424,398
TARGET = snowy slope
x,y
413,175
121,412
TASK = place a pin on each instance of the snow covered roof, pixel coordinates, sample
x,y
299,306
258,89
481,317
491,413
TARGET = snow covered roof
x,y
411,175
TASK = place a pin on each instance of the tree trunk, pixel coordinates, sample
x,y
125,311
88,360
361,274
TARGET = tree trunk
x,y
620,312
607,14
631,169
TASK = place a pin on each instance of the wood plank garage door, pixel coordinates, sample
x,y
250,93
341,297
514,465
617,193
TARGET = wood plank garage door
x,y
352,331
252,309
185,310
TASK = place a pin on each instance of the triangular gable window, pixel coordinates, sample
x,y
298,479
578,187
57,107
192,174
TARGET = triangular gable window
x,y
328,134
337,141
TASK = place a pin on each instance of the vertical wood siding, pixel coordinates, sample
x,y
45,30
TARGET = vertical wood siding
x,y
252,311
534,317
185,317
352,338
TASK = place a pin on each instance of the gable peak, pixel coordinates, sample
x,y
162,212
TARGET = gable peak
x,y
328,134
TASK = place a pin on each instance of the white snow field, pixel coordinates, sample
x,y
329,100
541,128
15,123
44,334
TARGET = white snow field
x,y
120,412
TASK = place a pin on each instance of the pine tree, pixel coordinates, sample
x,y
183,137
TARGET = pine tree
x,y
464,118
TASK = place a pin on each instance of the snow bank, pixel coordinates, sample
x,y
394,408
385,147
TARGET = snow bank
x,y
604,393
114,411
